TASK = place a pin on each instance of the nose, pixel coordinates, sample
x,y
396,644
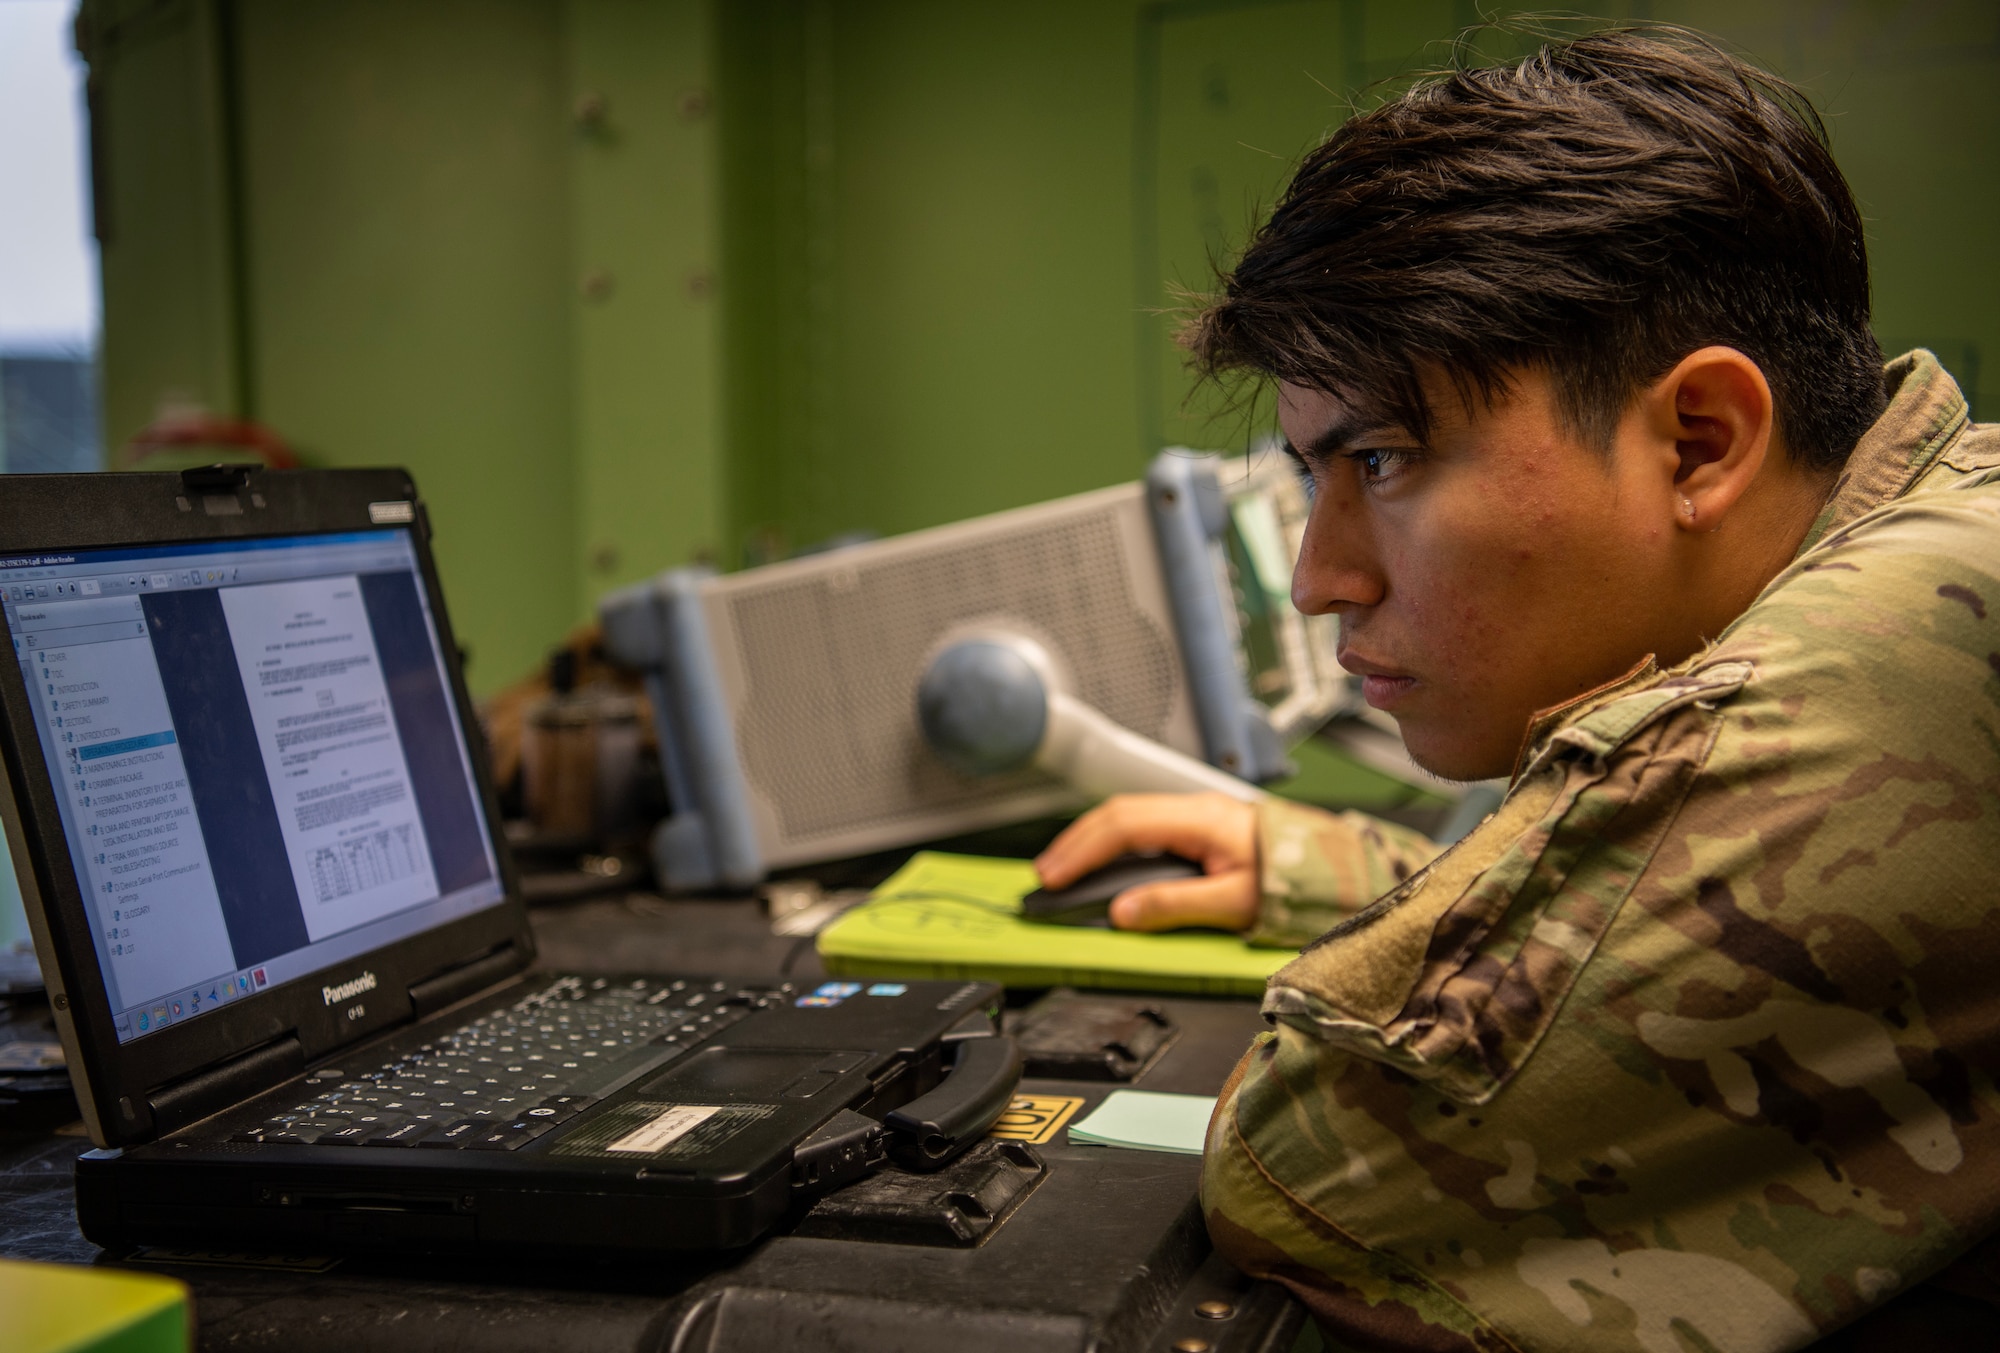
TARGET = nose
x,y
1338,570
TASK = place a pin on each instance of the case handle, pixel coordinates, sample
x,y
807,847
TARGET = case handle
x,y
934,1127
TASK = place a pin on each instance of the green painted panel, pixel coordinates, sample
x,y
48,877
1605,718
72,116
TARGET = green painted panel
x,y
409,262
169,339
647,364
984,355
774,107
928,260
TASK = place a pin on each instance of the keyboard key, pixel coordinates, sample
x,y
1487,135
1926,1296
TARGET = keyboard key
x,y
457,1134
302,1133
353,1134
404,1134
558,1109
509,1136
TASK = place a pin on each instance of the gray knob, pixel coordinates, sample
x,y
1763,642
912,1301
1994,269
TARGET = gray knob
x,y
982,707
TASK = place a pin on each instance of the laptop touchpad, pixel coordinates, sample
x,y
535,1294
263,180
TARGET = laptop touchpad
x,y
724,1074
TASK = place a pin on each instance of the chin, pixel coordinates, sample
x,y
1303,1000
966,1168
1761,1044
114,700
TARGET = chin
x,y
1456,758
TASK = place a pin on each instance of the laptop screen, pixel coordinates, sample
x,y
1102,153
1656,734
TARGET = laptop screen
x,y
259,764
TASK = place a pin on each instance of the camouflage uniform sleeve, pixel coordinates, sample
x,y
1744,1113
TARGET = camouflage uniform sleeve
x,y
1316,868
1693,1043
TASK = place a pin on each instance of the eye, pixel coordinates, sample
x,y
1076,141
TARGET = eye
x,y
1378,463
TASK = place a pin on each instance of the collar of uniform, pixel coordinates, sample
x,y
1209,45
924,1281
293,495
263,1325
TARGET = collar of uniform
x,y
1926,413
1547,721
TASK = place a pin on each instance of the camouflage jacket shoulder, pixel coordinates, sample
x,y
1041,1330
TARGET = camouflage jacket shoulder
x,y
1687,1044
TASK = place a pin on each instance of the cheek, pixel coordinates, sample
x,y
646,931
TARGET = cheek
x,y
1474,639
1471,596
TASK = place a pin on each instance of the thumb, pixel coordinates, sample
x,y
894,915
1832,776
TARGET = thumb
x,y
1225,901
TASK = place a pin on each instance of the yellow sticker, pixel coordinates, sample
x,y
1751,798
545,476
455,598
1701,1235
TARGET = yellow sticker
x,y
1035,1118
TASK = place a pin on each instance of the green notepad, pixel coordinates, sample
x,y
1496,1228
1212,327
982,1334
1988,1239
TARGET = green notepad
x,y
959,916
1143,1120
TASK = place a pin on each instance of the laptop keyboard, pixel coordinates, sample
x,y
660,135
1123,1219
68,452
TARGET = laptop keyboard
x,y
506,1078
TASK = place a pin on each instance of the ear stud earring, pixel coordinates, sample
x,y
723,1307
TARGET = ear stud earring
x,y
1687,507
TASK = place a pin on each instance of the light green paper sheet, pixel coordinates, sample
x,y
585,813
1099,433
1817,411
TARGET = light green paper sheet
x,y
957,916
1144,1120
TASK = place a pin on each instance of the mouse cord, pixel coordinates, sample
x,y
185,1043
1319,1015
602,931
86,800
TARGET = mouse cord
x,y
938,895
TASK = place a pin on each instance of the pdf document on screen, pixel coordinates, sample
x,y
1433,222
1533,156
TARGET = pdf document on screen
x,y
338,775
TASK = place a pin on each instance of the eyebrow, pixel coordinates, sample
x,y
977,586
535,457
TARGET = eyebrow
x,y
1341,432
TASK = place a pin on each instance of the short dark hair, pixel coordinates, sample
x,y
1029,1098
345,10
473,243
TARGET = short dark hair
x,y
1600,209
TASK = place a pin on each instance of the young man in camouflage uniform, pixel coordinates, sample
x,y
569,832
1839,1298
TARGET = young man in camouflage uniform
x,y
1692,1043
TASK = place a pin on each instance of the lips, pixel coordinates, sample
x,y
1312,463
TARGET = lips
x,y
1384,691
1382,686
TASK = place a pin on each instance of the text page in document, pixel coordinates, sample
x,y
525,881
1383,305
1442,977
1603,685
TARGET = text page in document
x,y
338,775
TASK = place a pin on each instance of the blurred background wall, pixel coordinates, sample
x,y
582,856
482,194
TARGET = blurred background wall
x,y
628,283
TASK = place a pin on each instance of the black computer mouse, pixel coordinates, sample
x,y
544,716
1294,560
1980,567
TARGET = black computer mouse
x,y
1088,900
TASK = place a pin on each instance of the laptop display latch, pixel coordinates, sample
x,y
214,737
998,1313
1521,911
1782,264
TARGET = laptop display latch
x,y
467,979
217,478
215,1088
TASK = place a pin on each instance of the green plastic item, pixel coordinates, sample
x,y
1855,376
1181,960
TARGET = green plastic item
x,y
958,916
67,1308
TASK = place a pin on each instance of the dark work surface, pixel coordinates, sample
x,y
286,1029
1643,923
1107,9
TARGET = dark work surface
x,y
643,933
1106,1251
1085,1239
1102,1246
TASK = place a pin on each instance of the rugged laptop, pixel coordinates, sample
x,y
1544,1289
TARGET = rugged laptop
x,y
283,940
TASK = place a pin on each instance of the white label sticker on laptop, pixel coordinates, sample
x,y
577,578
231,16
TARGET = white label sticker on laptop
x,y
665,1129
658,1131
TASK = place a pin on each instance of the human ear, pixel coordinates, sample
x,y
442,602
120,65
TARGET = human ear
x,y
1717,408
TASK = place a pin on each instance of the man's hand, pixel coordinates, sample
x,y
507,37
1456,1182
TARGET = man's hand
x,y
1218,832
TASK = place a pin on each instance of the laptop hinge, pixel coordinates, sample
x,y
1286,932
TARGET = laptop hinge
x,y
455,984
216,1088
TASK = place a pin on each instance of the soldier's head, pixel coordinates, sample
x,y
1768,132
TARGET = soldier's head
x,y
1573,349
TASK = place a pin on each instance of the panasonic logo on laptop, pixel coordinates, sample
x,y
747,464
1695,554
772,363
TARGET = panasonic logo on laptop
x,y
347,991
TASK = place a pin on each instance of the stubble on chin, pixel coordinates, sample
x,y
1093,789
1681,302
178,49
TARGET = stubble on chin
x,y
1449,762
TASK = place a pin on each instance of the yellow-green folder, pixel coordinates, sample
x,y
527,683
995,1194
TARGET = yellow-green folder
x,y
959,916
